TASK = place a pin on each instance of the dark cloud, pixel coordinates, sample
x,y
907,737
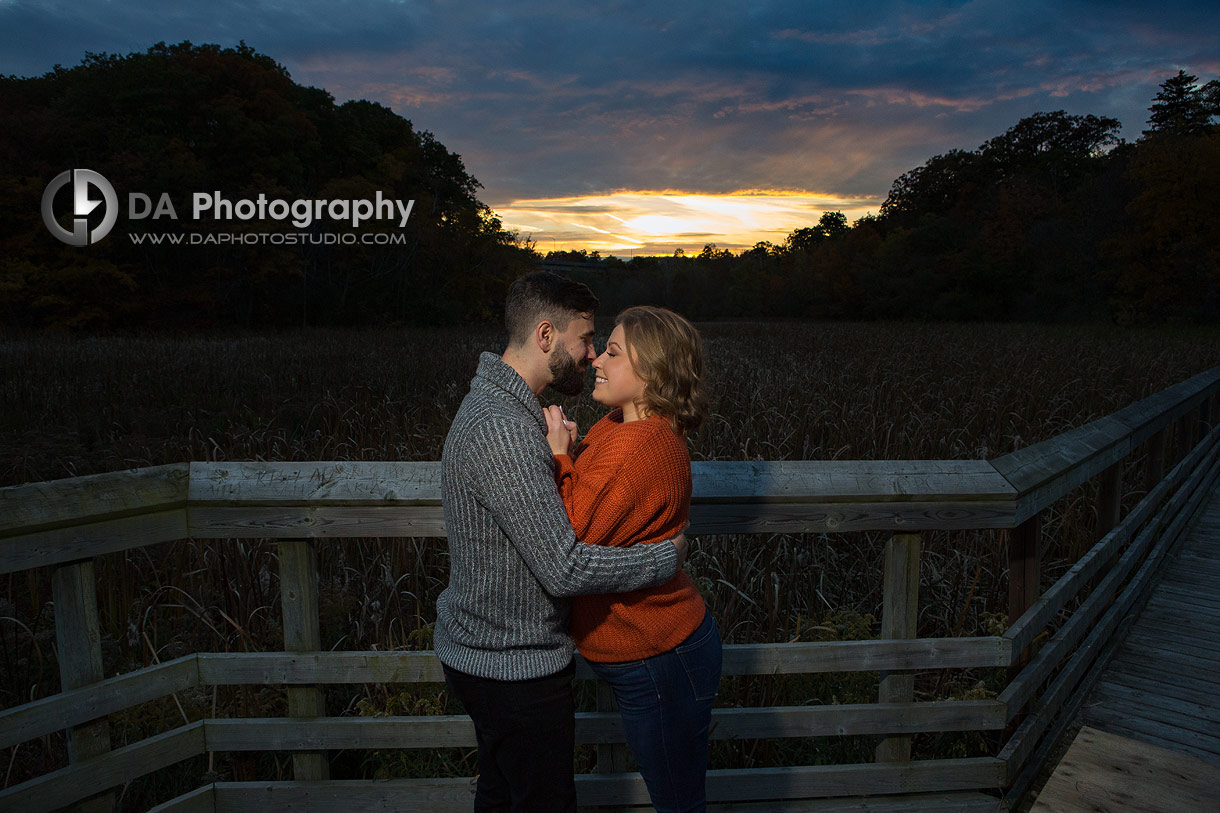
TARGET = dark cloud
x,y
558,99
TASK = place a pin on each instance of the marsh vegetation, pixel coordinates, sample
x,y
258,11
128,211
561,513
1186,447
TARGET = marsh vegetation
x,y
781,391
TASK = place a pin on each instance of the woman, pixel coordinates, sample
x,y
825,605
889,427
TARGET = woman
x,y
629,483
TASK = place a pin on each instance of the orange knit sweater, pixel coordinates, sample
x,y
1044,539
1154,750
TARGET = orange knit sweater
x,y
628,484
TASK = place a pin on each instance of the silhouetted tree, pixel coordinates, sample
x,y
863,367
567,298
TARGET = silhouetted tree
x,y
833,224
939,185
1182,107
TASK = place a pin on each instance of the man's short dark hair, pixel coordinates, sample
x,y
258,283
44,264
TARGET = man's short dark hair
x,y
544,296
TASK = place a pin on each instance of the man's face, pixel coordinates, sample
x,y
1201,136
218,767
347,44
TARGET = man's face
x,y
571,356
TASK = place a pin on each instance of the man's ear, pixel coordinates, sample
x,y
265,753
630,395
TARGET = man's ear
x,y
544,335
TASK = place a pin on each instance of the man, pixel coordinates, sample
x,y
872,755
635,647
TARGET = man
x,y
501,626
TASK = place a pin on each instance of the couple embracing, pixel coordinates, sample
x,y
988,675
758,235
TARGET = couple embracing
x,y
557,541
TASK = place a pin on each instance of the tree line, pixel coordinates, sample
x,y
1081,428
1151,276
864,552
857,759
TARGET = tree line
x,y
1056,219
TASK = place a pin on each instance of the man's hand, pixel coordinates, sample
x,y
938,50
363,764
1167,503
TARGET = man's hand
x,y
561,433
683,545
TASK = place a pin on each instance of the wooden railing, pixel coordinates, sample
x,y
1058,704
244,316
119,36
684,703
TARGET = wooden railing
x,y
66,524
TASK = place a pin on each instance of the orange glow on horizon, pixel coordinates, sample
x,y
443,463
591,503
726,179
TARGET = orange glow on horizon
x,y
630,222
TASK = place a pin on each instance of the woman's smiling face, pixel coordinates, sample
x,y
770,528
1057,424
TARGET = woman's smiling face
x,y
615,383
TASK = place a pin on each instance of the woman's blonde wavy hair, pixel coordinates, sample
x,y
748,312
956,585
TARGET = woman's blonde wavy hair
x,y
666,353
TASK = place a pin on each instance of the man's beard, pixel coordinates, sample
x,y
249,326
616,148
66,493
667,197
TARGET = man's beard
x,y
567,375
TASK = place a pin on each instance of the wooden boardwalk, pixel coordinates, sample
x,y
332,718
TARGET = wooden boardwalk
x,y
1151,735
1106,772
1163,685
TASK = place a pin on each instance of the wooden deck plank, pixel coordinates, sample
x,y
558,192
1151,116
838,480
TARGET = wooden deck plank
x,y
1203,620
1166,660
1198,650
1192,582
1200,584
1165,601
1176,718
1174,650
1116,692
1106,719
1160,742
1186,591
1198,554
1106,772
1146,655
1183,605
1205,556
1169,734
1171,745
1196,630
1198,579
1208,527
1176,595
1153,675
1115,696
1167,692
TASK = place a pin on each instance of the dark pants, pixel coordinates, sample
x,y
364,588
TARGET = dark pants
x,y
526,734
666,704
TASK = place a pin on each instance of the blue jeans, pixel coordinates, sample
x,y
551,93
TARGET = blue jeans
x,y
666,703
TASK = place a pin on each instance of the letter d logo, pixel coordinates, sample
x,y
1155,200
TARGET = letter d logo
x,y
81,206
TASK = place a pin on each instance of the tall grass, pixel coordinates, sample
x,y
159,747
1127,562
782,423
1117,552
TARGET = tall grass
x,y
73,406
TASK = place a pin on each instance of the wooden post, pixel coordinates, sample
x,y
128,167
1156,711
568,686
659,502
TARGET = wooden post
x,y
1024,571
1205,418
79,643
299,598
1154,467
899,614
611,757
1109,500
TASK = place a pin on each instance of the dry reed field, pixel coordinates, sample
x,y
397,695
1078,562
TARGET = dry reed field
x,y
74,406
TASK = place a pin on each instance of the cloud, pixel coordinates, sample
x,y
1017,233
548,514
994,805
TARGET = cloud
x,y
548,100
657,222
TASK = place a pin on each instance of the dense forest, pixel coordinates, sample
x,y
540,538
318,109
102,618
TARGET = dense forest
x,y
183,118
1057,219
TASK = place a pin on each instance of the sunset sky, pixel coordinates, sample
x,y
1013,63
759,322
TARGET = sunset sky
x,y
638,128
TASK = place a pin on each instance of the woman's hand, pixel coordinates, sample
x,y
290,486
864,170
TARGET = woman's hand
x,y
560,432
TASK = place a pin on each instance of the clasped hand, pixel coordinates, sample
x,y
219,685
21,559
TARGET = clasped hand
x,y
561,433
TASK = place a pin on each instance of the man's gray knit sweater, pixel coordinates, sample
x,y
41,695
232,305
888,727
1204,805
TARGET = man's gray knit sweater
x,y
513,557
